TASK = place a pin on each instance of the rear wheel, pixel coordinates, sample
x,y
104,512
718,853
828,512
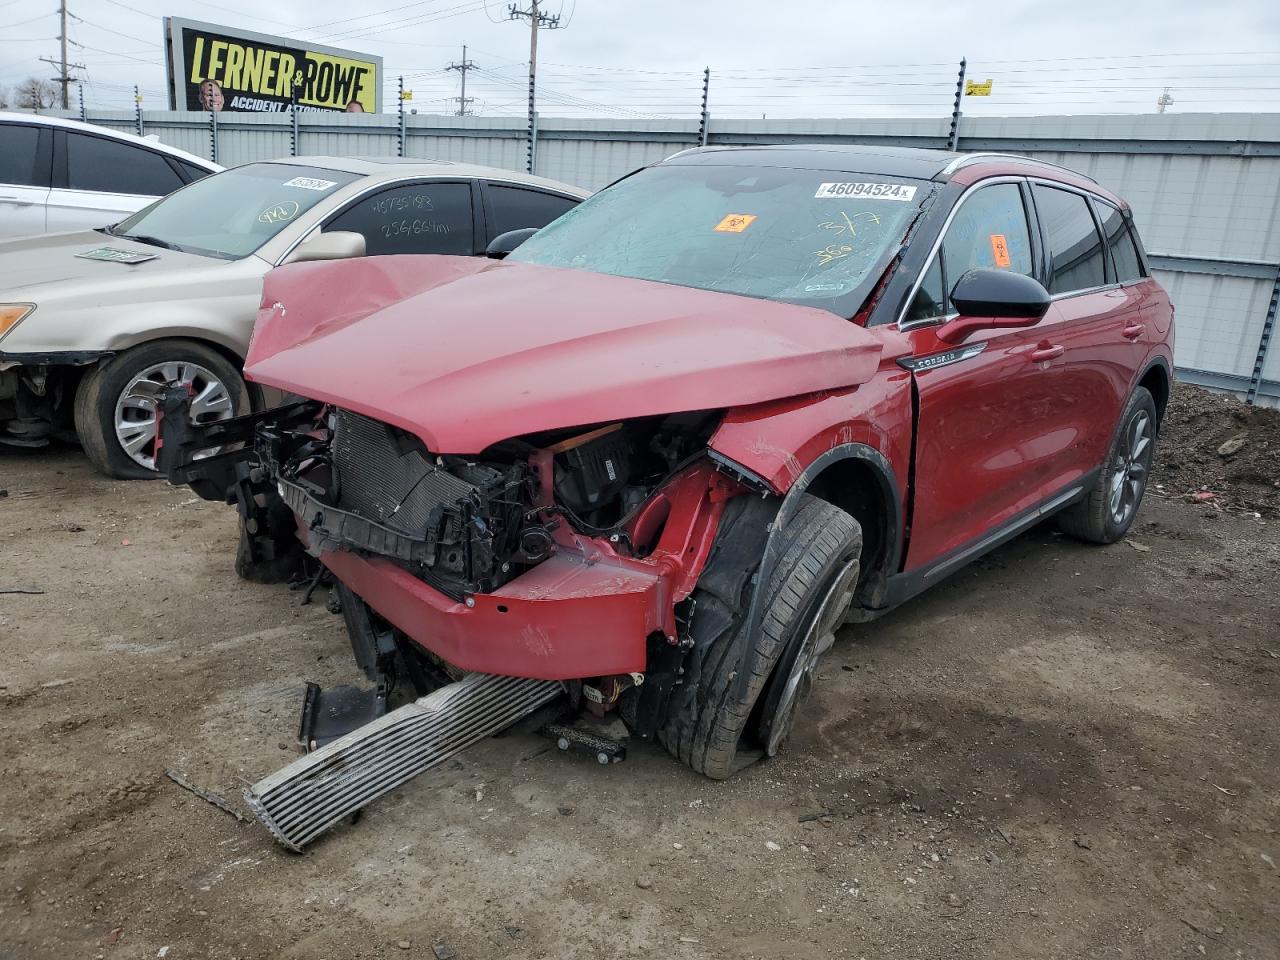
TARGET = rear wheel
x,y
1108,509
116,405
745,689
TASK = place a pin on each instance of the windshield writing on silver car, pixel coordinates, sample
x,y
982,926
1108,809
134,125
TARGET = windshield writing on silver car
x,y
233,213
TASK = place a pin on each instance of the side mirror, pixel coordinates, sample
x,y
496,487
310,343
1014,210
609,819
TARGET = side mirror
x,y
994,298
504,243
331,245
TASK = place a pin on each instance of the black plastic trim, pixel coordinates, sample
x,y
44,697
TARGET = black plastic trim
x,y
56,358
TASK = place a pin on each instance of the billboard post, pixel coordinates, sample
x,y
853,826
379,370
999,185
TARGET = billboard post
x,y
224,69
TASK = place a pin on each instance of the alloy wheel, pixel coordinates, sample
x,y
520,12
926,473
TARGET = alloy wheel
x,y
1130,469
818,639
136,421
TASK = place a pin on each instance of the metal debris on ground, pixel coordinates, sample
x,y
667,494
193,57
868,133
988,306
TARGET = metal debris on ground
x,y
207,795
299,802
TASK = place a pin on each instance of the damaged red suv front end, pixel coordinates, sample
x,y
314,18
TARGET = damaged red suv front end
x,y
529,495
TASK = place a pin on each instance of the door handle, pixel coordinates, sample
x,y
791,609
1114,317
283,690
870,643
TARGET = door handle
x,y
1047,351
1133,331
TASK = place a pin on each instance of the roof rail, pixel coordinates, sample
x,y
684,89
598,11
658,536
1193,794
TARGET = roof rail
x,y
969,158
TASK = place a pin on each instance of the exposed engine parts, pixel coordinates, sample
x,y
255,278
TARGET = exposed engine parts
x,y
465,525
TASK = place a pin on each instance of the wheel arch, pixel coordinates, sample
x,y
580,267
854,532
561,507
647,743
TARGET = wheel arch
x,y
859,479
221,347
1158,379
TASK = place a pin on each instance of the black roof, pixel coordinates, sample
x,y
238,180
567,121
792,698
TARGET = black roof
x,y
846,157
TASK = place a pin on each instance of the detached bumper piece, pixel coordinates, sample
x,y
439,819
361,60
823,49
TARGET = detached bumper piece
x,y
312,794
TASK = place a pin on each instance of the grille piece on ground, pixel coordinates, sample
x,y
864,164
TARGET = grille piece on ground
x,y
312,794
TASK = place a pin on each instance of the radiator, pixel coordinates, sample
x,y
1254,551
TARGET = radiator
x,y
315,792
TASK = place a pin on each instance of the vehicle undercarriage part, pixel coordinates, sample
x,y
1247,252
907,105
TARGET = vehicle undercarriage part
x,y
315,792
328,715
606,742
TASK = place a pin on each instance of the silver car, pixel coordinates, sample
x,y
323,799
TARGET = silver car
x,y
94,325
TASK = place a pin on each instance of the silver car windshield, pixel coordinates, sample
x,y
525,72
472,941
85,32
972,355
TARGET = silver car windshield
x,y
811,237
231,214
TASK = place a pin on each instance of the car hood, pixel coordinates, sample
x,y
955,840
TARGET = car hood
x,y
46,270
465,352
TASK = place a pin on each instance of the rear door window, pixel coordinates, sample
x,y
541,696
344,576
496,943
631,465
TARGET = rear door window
x,y
989,232
1075,248
18,153
109,166
426,217
1124,255
515,208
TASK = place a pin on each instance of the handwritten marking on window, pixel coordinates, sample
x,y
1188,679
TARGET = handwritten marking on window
x,y
835,251
279,212
386,205
845,224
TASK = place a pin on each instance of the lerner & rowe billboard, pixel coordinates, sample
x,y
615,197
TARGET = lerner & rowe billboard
x,y
222,69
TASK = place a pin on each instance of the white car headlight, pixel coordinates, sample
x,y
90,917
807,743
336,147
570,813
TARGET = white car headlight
x,y
11,314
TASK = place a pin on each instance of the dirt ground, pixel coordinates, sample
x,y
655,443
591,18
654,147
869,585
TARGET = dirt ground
x,y
1063,751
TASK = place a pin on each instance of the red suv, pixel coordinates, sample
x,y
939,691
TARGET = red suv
x,y
664,449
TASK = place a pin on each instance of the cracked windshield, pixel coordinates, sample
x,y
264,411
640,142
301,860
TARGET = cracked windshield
x,y
801,236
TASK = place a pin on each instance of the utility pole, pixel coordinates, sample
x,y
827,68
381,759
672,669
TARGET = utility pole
x,y
536,19
1164,101
62,11
63,77
462,68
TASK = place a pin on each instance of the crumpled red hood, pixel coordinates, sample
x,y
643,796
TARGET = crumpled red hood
x,y
464,352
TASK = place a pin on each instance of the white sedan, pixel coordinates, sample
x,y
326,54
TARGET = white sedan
x,y
95,324
65,175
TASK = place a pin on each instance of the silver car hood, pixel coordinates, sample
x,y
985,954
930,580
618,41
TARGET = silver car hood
x,y
49,269
101,305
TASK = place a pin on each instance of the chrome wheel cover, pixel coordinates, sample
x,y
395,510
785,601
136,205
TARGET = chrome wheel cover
x,y
136,421
1129,470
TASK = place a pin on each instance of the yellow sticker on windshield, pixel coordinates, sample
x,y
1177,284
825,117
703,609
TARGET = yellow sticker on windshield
x,y
735,223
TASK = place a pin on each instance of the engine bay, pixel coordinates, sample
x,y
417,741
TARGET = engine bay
x,y
463,524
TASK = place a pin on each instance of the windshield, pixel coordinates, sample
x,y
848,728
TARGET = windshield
x,y
233,213
800,236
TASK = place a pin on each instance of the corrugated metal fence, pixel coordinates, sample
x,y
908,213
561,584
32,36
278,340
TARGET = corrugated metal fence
x,y
1205,188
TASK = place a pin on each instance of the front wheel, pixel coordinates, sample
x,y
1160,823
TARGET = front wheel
x,y
746,687
117,403
1108,509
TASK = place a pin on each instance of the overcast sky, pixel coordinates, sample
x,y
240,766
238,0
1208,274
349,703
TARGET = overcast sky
x,y
775,59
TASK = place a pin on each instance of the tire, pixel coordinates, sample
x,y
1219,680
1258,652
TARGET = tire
x,y
105,387
723,721
1098,518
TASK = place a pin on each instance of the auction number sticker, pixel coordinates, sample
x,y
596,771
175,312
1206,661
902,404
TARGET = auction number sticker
x,y
866,191
311,183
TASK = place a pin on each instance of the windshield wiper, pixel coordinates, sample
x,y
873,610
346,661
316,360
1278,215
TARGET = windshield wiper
x,y
151,241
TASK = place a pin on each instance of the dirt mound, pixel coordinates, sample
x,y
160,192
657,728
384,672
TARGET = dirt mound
x,y
1217,444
